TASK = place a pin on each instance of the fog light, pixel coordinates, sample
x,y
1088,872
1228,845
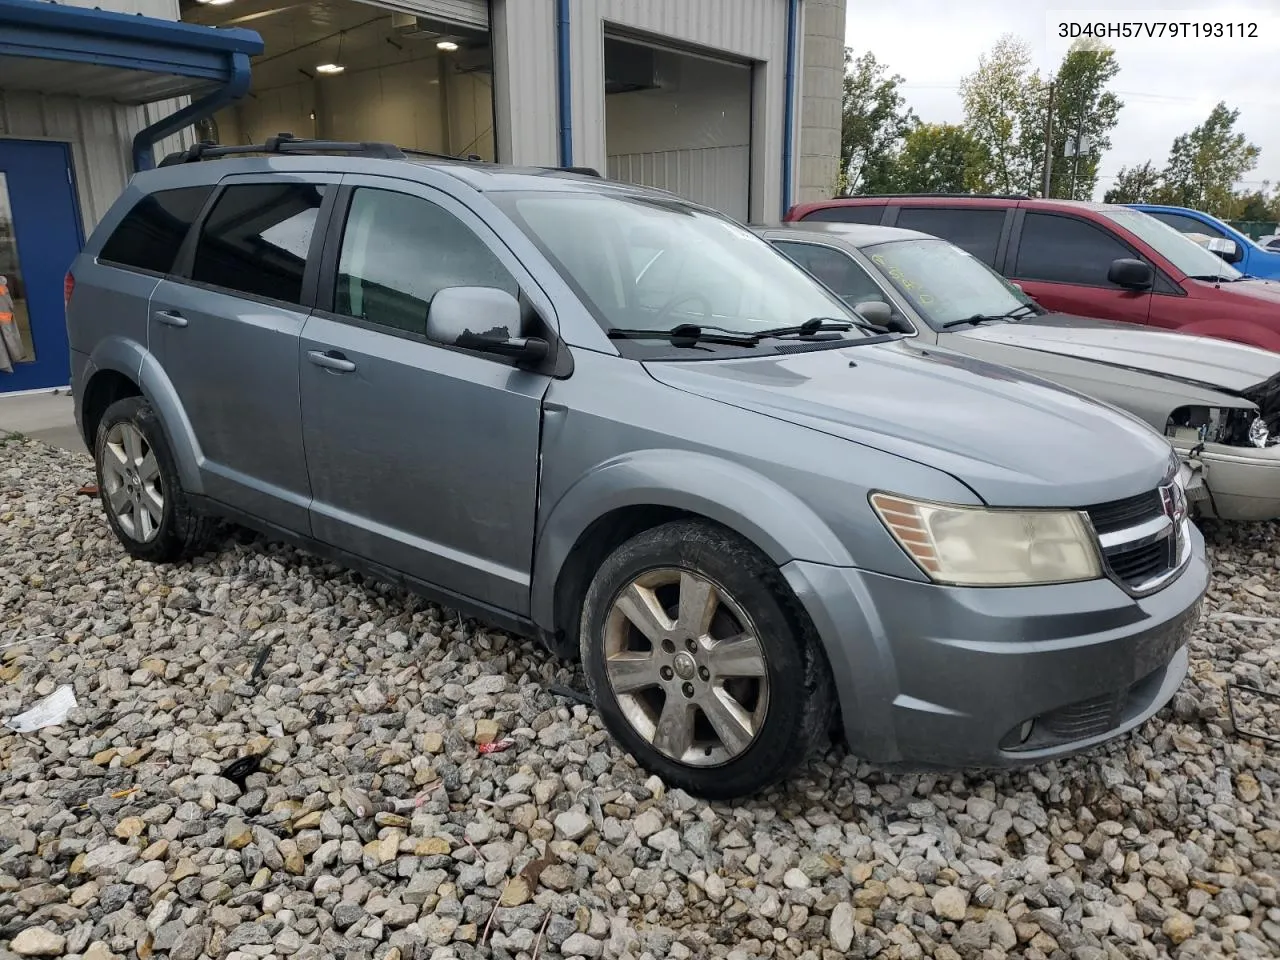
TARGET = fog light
x,y
1024,731
1258,432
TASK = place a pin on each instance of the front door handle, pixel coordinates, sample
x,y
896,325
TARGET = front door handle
x,y
331,360
171,317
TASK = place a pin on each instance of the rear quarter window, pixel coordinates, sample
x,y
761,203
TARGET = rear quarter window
x,y
855,213
150,234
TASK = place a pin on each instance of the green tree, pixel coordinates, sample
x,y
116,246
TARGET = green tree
x,y
935,158
1205,163
1084,108
1255,204
874,122
1138,184
1003,110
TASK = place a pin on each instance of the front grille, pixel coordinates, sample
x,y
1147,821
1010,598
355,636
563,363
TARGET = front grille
x,y
1129,512
1143,557
1141,564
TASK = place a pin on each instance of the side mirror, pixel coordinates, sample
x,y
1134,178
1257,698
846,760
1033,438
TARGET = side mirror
x,y
484,319
1131,274
1227,249
875,311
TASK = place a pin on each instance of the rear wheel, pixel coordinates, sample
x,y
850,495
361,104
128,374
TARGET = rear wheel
x,y
702,663
138,482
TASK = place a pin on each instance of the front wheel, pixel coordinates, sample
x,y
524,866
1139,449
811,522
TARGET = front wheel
x,y
702,663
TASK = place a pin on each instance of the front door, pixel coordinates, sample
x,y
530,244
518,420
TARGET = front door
x,y
423,458
1063,263
40,234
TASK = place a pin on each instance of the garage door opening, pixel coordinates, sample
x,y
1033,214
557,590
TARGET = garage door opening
x,y
345,70
679,121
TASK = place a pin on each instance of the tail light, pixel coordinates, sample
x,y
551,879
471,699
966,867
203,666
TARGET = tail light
x,y
68,288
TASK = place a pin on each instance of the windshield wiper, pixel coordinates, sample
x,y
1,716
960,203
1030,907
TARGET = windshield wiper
x,y
815,325
690,334
1015,314
686,335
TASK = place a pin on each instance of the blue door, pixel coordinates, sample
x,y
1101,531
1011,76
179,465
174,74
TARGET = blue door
x,y
40,235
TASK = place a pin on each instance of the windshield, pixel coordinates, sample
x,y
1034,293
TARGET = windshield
x,y
1183,252
946,284
651,263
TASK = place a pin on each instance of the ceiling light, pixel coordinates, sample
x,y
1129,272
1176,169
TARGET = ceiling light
x,y
330,68
213,3
446,45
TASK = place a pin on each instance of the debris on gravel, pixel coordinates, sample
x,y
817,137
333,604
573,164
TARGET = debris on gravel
x,y
127,832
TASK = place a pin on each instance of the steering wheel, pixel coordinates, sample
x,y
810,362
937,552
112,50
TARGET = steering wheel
x,y
669,307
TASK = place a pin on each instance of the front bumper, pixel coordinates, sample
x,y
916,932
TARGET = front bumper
x,y
1240,483
997,676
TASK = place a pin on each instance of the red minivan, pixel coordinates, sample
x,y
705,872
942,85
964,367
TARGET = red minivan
x,y
1087,259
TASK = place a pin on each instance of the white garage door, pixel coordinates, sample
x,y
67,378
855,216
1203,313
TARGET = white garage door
x,y
463,13
679,122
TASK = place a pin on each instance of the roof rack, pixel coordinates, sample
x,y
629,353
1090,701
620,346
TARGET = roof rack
x,y
958,196
287,143
585,171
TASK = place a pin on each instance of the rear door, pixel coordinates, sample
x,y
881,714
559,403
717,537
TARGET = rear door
x,y
1063,261
226,328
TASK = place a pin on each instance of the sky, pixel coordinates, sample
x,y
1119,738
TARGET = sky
x,y
1168,85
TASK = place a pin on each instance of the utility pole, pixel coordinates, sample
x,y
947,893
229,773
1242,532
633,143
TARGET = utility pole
x,y
1075,160
1048,144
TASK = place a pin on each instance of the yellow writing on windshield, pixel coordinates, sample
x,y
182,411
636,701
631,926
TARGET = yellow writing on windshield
x,y
912,288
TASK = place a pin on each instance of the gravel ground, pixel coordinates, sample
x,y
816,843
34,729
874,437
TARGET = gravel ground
x,y
119,836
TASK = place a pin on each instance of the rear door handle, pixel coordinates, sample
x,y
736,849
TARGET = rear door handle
x,y
331,360
171,317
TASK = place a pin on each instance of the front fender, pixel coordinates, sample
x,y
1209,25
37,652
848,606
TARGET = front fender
x,y
130,358
769,516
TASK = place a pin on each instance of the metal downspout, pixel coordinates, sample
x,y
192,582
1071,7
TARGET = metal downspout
x,y
235,88
564,91
789,104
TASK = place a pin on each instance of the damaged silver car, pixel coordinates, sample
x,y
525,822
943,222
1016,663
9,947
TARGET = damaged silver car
x,y
1218,403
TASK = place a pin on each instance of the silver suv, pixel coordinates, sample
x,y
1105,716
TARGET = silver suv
x,y
620,422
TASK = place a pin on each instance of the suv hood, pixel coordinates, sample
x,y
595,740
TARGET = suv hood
x,y
1014,440
1204,361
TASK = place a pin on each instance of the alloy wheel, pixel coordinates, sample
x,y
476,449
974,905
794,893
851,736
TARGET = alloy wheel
x,y
687,667
132,486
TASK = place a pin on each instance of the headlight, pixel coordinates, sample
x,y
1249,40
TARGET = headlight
x,y
1258,432
981,547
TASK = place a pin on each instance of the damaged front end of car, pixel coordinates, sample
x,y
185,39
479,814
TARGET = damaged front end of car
x,y
1232,451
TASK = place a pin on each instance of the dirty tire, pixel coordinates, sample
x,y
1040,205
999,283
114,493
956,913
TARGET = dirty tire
x,y
182,532
800,702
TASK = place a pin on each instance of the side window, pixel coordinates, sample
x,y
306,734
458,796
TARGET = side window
x,y
852,213
1184,224
256,237
836,270
150,234
977,231
1066,250
398,251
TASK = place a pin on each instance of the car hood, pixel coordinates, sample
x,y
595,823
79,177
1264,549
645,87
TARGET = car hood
x,y
1255,292
1203,361
1013,439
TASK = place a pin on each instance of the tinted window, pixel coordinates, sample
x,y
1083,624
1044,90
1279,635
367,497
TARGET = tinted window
x,y
856,213
977,231
836,270
149,236
256,238
398,251
1188,224
1066,250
